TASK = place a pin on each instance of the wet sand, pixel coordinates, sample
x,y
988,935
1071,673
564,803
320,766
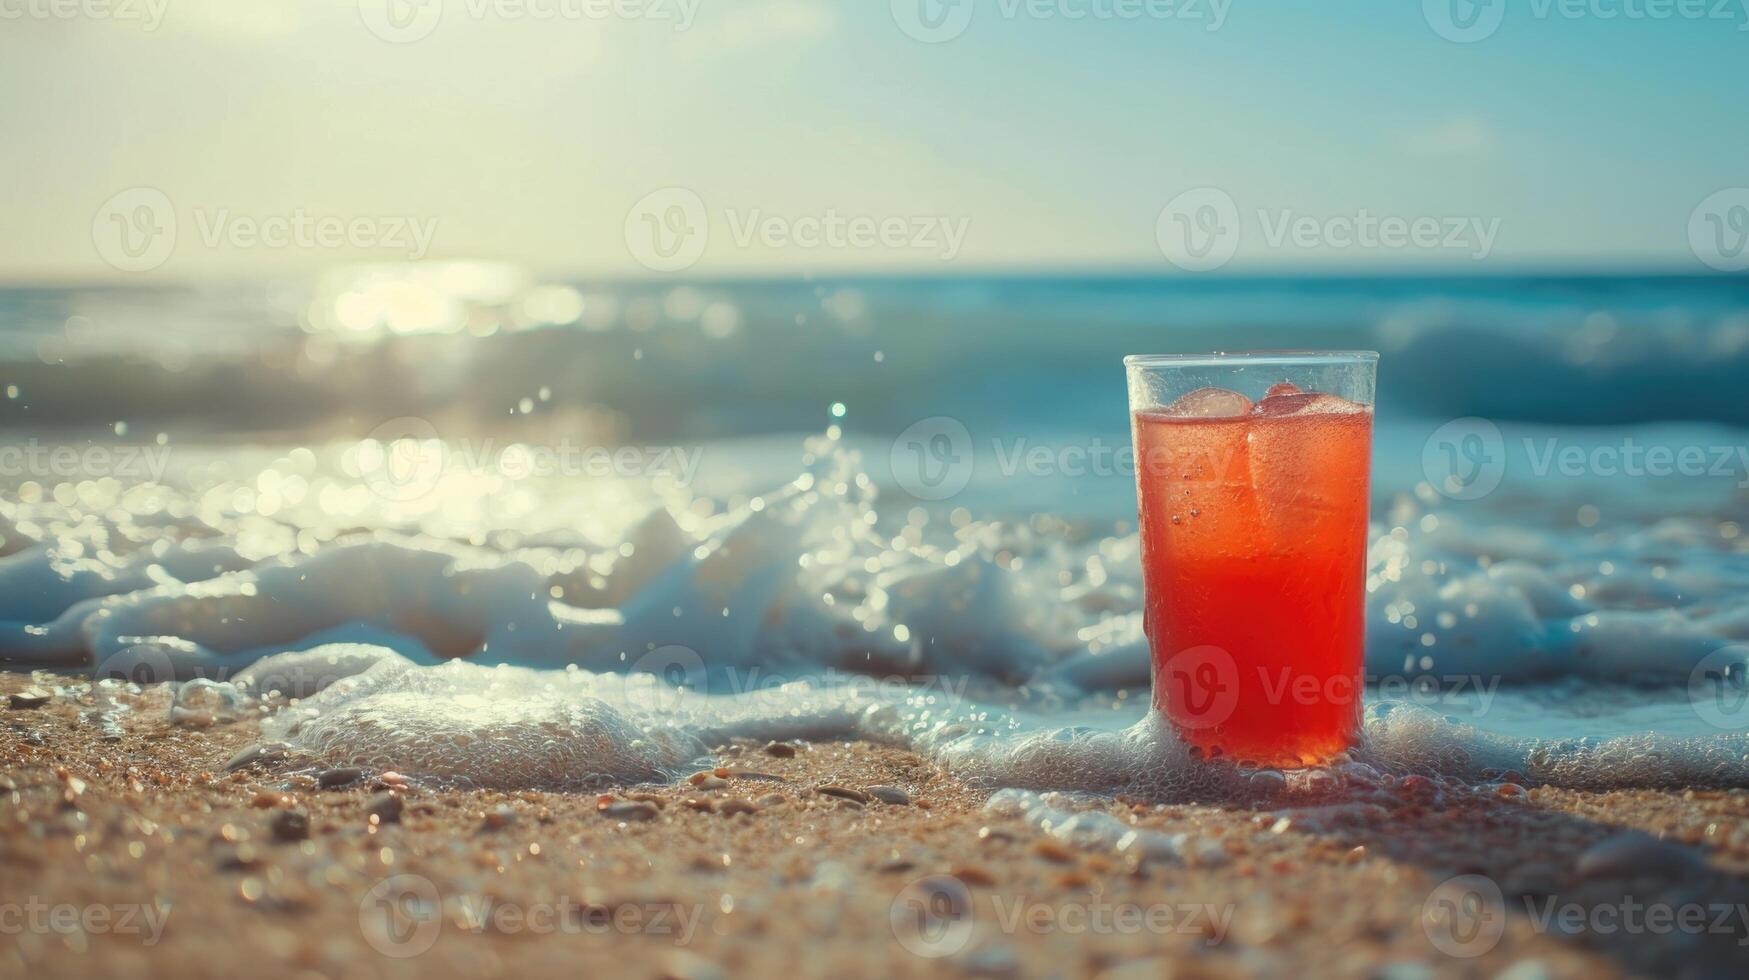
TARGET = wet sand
x,y
127,849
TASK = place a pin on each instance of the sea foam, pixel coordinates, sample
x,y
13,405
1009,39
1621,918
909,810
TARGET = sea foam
x,y
571,650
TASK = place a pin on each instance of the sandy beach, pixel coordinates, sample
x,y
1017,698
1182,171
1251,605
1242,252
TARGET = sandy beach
x,y
127,849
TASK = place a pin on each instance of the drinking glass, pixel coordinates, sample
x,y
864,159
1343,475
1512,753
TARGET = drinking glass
x,y
1252,474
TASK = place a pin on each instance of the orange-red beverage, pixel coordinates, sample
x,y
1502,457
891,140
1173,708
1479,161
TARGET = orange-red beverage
x,y
1253,524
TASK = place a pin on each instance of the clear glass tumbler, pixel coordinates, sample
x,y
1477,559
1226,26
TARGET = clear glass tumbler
x,y
1252,476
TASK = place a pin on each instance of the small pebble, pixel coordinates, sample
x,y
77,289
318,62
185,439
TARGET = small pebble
x,y
31,697
729,808
630,810
267,800
1051,850
974,875
842,792
386,807
336,778
256,755
498,818
772,799
890,794
782,750
290,825
1638,853
711,782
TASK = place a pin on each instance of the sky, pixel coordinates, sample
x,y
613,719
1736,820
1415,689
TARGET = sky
x,y
153,140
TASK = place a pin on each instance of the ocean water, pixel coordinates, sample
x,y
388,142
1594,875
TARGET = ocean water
x,y
485,528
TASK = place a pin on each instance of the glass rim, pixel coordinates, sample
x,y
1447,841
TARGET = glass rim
x,y
1214,358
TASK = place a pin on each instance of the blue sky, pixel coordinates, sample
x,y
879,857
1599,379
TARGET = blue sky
x,y
1582,139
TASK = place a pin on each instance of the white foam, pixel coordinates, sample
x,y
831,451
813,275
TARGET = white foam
x,y
994,634
514,727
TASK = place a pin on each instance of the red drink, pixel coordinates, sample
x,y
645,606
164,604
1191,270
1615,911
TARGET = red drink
x,y
1253,537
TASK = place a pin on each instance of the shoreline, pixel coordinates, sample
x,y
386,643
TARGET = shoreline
x,y
128,817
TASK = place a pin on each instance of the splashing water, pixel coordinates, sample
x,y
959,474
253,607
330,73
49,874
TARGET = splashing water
x,y
620,644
